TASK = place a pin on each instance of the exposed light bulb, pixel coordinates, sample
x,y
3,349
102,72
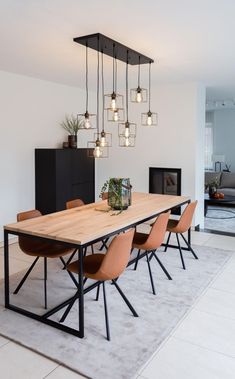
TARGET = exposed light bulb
x,y
97,152
149,120
102,141
87,123
127,132
127,142
139,97
113,104
115,115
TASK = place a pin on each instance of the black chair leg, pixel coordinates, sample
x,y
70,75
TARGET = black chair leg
x,y
167,242
125,299
45,281
104,244
70,274
70,259
137,260
189,246
97,292
106,313
25,276
92,249
150,274
69,307
180,250
161,265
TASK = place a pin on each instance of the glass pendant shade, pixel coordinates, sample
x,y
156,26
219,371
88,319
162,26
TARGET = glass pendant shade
x,y
127,134
139,95
113,101
127,129
115,115
96,150
88,120
105,139
126,141
149,118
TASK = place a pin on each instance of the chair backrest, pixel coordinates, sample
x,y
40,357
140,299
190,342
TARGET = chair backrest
x,y
26,244
186,219
157,233
74,203
105,195
117,256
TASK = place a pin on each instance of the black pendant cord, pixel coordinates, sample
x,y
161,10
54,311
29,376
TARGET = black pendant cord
x,y
98,89
115,85
139,73
149,86
127,113
102,89
86,77
113,68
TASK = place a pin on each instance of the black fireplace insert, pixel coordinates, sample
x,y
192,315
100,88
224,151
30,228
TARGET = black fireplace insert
x,y
166,181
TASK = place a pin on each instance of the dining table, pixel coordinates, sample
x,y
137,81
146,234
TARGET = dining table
x,y
79,228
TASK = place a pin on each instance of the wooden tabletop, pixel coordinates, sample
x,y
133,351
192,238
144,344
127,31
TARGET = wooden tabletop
x,y
87,223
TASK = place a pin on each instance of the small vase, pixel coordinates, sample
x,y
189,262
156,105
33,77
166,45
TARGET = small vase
x,y
212,191
72,140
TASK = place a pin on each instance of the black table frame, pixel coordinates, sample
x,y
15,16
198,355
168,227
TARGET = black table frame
x,y
45,317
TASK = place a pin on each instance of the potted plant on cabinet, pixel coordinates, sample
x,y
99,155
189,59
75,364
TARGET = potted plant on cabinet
x,y
72,124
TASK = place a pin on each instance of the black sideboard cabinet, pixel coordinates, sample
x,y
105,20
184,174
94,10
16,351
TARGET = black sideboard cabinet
x,y
62,175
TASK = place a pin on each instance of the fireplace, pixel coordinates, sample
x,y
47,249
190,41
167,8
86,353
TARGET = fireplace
x,y
166,181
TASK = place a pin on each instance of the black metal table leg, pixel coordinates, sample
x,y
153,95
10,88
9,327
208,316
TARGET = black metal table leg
x,y
81,293
6,268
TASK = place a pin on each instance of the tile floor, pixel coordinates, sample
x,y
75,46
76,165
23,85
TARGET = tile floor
x,y
201,346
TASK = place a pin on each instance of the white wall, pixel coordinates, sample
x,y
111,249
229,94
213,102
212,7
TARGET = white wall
x,y
224,135
177,141
30,113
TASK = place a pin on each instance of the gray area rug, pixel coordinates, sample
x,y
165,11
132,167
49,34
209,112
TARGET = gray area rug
x,y
133,340
220,218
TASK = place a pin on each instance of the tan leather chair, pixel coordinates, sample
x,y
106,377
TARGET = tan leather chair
x,y
103,267
182,226
40,249
150,243
74,203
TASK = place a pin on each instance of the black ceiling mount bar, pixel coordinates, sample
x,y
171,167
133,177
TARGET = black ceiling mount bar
x,y
106,45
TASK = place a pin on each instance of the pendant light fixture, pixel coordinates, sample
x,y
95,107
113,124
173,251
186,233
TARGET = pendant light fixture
x,y
105,138
149,118
113,102
97,148
139,95
88,118
127,130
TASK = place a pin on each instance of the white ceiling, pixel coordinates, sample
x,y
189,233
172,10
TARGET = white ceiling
x,y
190,40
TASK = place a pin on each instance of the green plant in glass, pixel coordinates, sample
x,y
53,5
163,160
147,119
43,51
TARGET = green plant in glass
x,y
118,193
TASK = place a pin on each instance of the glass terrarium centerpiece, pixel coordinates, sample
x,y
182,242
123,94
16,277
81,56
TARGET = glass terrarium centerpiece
x,y
119,193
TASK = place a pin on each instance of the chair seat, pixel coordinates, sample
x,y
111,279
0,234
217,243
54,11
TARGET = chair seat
x,y
139,240
172,226
91,265
43,249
